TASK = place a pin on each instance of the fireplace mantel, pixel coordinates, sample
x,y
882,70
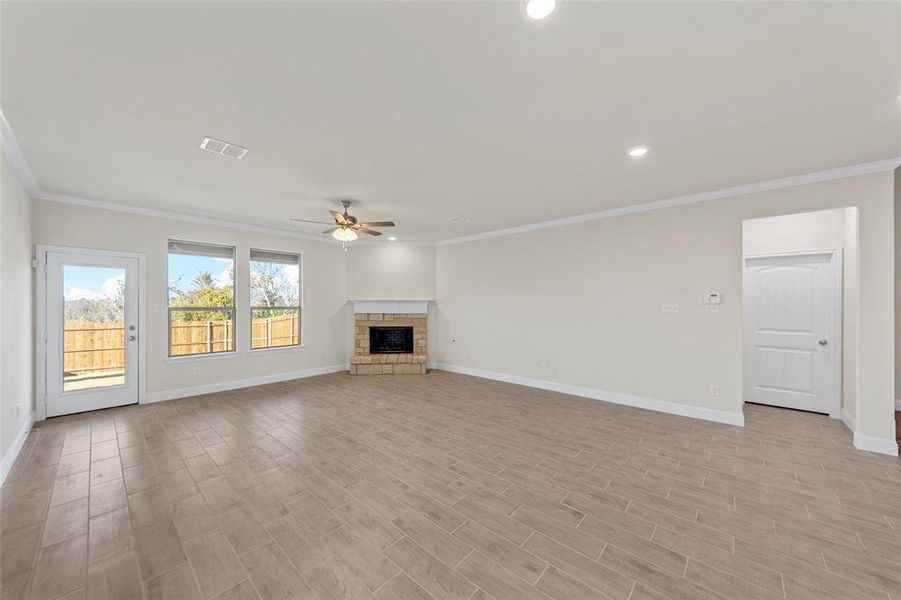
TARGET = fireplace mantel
x,y
385,306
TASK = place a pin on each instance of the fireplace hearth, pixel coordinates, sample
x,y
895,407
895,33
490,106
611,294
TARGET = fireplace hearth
x,y
390,343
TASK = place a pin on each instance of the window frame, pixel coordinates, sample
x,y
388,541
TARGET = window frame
x,y
299,307
231,310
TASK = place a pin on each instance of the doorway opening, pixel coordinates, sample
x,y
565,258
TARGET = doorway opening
x,y
799,312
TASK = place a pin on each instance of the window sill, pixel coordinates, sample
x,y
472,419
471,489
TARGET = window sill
x,y
277,349
200,357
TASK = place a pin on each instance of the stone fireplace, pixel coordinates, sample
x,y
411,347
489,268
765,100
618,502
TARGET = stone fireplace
x,y
390,337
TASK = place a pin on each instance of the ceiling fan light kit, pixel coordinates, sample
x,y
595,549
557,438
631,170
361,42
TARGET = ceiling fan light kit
x,y
347,226
344,235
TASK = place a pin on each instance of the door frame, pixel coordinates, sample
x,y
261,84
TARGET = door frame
x,y
40,324
835,403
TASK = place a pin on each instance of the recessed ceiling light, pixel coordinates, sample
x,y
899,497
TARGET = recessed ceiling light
x,y
637,151
222,148
539,9
392,239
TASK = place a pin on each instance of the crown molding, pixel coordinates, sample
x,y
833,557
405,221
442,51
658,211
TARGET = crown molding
x,y
887,164
17,157
176,215
20,164
194,218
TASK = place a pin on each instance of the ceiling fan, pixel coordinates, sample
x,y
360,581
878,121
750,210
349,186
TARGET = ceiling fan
x,y
347,226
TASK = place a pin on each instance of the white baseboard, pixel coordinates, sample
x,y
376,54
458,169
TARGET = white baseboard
x,y
673,408
12,453
875,444
236,384
897,404
849,421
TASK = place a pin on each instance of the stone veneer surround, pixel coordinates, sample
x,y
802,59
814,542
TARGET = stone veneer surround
x,y
364,363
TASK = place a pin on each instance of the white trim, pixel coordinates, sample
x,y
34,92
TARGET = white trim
x,y
673,408
193,218
12,453
418,307
17,157
897,404
40,326
875,444
835,403
849,421
887,164
177,215
236,384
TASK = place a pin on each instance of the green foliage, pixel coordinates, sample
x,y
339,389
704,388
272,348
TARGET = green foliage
x,y
205,291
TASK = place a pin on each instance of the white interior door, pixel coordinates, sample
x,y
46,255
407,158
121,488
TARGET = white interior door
x,y
91,332
792,351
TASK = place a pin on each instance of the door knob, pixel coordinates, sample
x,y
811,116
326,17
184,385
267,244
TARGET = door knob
x,y
823,342
132,338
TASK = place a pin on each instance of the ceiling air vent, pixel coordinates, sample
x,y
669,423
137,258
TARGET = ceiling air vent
x,y
222,148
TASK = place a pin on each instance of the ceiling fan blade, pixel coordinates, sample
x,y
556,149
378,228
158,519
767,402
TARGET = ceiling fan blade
x,y
309,221
333,229
369,231
377,224
339,217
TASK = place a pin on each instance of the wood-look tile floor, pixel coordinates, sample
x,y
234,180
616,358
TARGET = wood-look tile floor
x,y
444,486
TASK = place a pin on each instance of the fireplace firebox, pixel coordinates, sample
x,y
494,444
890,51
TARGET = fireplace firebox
x,y
390,340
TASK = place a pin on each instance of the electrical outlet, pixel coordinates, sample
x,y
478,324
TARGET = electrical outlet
x,y
561,369
714,389
197,370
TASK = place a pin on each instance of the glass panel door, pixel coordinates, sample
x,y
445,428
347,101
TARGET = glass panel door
x,y
92,329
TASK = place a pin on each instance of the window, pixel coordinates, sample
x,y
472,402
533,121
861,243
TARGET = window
x,y
201,298
274,299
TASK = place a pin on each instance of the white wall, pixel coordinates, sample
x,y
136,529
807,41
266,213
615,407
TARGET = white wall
x,y
16,309
898,282
324,291
587,298
395,272
821,230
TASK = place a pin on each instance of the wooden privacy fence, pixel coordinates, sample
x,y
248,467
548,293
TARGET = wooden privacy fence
x,y
100,347
275,331
90,348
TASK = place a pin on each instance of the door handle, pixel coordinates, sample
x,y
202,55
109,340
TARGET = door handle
x,y
823,342
132,338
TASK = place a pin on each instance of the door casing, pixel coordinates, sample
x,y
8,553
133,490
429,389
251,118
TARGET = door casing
x,y
835,403
40,338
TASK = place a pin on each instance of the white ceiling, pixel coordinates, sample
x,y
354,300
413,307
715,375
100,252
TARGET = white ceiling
x,y
426,111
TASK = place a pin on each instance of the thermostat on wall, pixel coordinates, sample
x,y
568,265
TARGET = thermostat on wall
x,y
712,298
